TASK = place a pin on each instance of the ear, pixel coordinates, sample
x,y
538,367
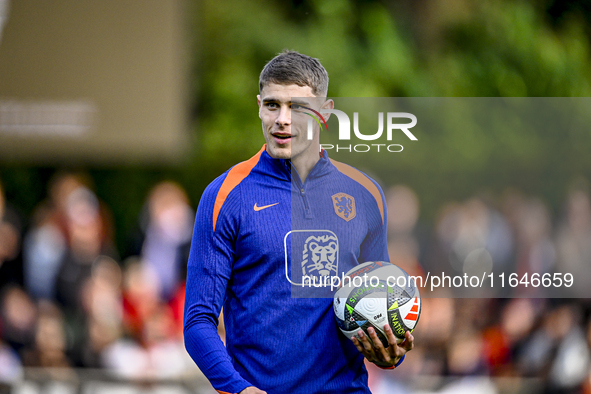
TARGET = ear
x,y
328,104
259,103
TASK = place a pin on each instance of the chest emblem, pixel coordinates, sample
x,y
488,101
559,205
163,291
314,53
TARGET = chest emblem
x,y
344,206
320,256
315,254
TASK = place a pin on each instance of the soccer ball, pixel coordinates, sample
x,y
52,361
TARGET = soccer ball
x,y
373,294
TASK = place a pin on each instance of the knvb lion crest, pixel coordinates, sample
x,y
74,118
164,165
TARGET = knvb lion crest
x,y
344,206
320,256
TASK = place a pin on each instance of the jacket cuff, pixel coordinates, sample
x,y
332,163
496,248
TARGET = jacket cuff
x,y
397,364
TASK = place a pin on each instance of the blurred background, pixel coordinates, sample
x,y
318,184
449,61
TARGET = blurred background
x,y
115,115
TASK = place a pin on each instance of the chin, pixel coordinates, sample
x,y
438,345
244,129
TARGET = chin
x,y
279,153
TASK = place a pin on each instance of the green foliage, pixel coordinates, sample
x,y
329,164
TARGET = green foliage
x,y
439,48
407,48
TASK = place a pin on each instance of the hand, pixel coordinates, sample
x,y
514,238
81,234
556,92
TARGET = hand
x,y
252,390
377,354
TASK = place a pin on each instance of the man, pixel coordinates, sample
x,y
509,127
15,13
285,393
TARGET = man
x,y
248,222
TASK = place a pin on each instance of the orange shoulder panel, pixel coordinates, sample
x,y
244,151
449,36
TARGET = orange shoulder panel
x,y
233,179
359,177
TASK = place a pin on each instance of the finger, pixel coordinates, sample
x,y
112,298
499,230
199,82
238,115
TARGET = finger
x,y
377,343
365,342
390,335
409,341
357,344
393,345
393,348
406,345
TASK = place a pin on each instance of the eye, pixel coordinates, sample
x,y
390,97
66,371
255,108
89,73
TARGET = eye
x,y
272,105
296,107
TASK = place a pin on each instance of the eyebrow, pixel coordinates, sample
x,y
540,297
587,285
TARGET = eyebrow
x,y
300,102
274,100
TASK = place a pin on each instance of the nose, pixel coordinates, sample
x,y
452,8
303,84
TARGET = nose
x,y
284,116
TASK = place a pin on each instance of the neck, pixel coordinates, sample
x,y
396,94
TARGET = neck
x,y
305,162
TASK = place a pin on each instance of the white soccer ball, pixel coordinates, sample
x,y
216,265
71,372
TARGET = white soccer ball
x,y
374,294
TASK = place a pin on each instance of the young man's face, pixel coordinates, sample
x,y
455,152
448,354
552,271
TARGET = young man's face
x,y
286,132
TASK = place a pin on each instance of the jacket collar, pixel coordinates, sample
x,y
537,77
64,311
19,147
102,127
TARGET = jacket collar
x,y
283,167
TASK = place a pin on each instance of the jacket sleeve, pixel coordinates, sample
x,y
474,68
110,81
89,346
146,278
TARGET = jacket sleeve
x,y
208,272
375,244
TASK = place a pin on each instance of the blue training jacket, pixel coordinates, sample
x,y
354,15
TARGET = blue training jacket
x,y
258,233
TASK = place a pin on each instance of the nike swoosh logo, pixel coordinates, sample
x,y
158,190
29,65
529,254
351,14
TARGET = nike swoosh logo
x,y
261,208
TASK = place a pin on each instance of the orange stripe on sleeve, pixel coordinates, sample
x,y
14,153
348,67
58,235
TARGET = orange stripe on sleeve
x,y
234,177
359,177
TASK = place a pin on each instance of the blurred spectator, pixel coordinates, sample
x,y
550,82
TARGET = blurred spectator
x,y
465,353
503,339
11,369
178,306
87,240
46,243
167,227
586,387
130,321
574,241
103,305
571,364
11,270
50,345
403,214
434,332
18,316
474,238
141,296
166,350
536,252
557,351
154,347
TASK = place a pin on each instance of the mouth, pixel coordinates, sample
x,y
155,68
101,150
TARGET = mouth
x,y
281,138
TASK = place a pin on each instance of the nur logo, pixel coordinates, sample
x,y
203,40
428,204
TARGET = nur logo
x,y
317,119
392,125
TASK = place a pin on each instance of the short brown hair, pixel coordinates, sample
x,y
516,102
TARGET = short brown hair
x,y
291,67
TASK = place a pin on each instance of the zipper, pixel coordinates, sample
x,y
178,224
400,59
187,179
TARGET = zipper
x,y
296,180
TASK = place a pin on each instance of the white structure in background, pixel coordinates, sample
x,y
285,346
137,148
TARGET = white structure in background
x,y
3,15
